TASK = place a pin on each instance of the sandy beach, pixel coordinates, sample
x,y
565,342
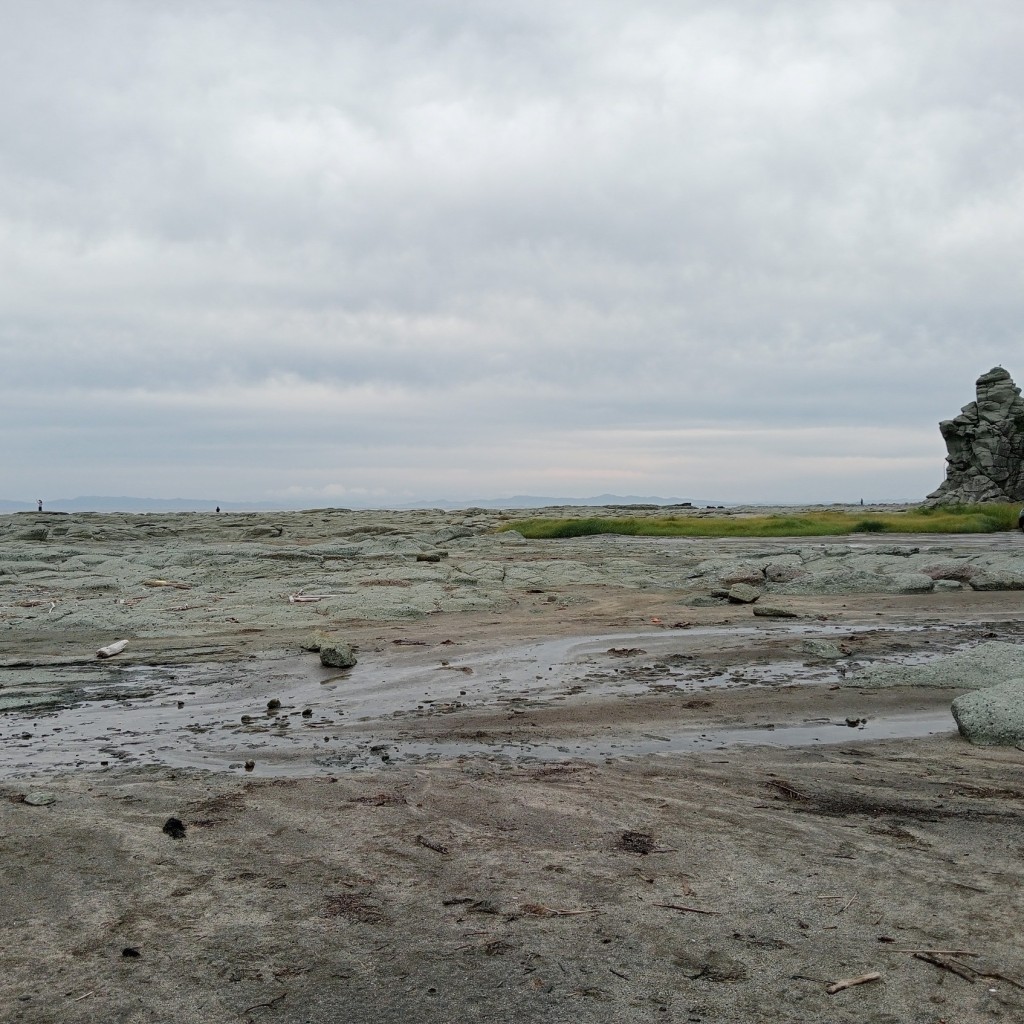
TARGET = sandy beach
x,y
565,781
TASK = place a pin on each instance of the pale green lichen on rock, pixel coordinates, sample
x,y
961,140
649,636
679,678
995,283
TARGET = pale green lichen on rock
x,y
993,716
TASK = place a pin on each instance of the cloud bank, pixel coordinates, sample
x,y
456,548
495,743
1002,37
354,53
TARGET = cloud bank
x,y
329,250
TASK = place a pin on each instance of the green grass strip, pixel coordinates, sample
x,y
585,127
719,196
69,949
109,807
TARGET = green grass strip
x,y
944,519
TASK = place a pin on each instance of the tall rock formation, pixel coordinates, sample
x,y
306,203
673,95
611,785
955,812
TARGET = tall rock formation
x,y
986,445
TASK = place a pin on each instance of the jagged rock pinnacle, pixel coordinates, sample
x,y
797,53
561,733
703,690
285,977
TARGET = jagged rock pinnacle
x,y
985,445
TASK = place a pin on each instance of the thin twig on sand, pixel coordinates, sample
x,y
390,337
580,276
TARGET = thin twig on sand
x,y
686,910
961,970
861,979
540,910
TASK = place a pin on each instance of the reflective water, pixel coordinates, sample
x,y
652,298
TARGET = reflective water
x,y
216,715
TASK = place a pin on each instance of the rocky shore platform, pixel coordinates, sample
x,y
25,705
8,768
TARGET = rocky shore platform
x,y
599,779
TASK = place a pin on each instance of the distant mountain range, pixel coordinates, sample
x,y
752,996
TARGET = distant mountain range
x,y
98,503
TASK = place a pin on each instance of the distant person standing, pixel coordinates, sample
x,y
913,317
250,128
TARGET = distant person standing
x,y
41,506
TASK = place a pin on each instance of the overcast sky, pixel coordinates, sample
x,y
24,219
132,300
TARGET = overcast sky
x,y
330,252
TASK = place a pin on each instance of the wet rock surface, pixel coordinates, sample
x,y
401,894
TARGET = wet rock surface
x,y
439,832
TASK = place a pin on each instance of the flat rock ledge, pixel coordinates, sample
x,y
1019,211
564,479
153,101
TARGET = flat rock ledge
x,y
994,716
974,669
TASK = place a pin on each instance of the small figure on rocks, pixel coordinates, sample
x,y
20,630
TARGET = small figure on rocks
x,y
218,508
41,505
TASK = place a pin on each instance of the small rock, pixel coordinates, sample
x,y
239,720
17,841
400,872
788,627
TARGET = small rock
x,y
774,611
175,828
428,557
825,650
250,765
307,712
39,799
336,654
273,704
130,952
637,842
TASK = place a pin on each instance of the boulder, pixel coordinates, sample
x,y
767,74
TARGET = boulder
x,y
993,716
743,593
985,445
753,577
910,583
994,578
960,571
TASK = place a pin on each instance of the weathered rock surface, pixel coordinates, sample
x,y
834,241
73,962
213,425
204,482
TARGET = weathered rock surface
x,y
823,650
985,445
186,585
997,578
774,611
974,669
993,716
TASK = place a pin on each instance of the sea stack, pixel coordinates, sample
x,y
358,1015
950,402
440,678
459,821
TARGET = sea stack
x,y
985,444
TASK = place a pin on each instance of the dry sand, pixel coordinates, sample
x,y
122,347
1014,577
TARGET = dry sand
x,y
552,789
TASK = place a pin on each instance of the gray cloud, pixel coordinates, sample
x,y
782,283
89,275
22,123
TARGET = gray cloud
x,y
731,249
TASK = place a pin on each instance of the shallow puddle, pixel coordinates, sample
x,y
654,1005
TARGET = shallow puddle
x,y
216,716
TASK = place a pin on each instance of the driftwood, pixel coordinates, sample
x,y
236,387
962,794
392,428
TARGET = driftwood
x,y
961,970
431,844
786,789
942,959
940,952
111,649
861,979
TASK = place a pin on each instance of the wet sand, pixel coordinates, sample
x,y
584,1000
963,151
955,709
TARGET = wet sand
x,y
554,787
